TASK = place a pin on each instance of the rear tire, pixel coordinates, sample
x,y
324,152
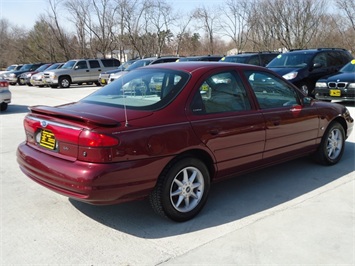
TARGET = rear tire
x,y
181,190
3,107
331,148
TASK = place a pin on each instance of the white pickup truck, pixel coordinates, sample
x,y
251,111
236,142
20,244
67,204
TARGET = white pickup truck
x,y
79,71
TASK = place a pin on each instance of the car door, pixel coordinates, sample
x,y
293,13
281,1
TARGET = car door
x,y
291,128
81,71
224,119
95,70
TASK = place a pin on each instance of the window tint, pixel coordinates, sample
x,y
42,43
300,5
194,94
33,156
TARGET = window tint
x,y
254,60
321,59
223,92
94,64
270,91
81,65
111,62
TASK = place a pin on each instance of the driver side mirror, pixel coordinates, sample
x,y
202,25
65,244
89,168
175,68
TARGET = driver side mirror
x,y
307,100
317,65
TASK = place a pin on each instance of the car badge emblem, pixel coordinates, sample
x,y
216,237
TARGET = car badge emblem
x,y
338,80
44,123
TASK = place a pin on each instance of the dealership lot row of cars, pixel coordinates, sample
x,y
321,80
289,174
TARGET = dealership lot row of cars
x,y
319,73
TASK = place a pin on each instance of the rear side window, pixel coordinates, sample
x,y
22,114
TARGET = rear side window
x,y
219,93
337,58
94,64
254,60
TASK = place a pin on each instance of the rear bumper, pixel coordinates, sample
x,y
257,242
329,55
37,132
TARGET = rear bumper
x,y
5,96
99,184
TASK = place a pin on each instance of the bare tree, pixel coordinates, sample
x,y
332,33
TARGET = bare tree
x,y
346,24
57,31
295,22
348,7
182,24
96,23
235,21
207,17
79,10
160,17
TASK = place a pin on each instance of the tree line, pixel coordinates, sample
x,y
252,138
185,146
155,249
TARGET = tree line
x,y
140,28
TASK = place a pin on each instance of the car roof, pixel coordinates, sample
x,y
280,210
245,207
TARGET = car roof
x,y
207,65
315,50
252,53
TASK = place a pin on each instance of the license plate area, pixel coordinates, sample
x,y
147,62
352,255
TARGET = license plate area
x,y
336,93
47,140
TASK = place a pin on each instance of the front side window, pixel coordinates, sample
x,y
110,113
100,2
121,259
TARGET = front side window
x,y
143,89
321,59
222,92
81,65
271,91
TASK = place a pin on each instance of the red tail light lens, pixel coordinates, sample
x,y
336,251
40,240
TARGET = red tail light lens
x,y
4,84
93,139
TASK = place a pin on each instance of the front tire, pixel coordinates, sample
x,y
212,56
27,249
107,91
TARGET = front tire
x,y
181,190
331,148
64,82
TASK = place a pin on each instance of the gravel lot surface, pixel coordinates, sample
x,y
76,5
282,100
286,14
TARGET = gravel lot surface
x,y
296,213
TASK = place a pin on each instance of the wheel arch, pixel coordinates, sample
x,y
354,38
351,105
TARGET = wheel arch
x,y
65,76
198,154
342,122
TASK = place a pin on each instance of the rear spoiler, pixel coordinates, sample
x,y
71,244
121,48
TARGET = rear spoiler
x,y
88,118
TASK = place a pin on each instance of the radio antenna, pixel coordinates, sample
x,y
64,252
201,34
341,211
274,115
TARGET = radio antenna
x,y
124,103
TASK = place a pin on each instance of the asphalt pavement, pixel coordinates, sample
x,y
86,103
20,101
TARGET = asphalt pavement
x,y
296,213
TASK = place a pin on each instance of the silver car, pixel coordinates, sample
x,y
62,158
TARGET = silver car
x,y
5,94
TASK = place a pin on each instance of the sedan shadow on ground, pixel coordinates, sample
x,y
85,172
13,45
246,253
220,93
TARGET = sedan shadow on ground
x,y
229,200
15,109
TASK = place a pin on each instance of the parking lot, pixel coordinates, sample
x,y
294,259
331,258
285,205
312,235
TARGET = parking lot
x,y
296,213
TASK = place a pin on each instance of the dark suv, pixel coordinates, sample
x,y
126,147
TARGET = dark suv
x,y
251,58
200,58
304,67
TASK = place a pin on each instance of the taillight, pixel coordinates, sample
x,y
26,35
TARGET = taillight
x,y
4,84
94,139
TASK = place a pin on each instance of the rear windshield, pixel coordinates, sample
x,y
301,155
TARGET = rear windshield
x,y
142,89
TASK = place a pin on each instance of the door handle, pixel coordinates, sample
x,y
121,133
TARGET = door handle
x,y
214,131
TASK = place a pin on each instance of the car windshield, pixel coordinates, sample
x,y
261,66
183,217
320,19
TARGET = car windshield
x,y
54,66
349,67
291,60
41,68
235,59
9,68
26,67
69,65
139,63
142,89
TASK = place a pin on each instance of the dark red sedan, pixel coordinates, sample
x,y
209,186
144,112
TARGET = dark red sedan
x,y
168,131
